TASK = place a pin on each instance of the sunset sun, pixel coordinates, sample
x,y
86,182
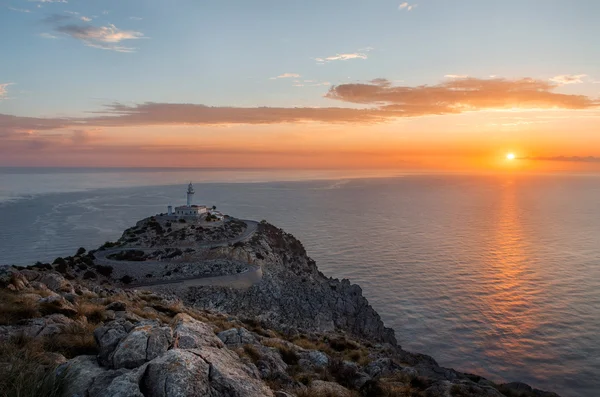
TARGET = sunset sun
x,y
510,156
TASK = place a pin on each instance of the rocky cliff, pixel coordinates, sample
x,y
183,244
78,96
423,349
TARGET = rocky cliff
x,y
72,328
293,295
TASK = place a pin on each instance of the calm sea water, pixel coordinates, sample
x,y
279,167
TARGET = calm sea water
x,y
498,275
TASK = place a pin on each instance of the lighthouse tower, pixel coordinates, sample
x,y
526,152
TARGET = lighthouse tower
x,y
190,194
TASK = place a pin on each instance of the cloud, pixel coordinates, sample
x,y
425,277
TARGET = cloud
x,y
381,82
381,102
47,36
85,19
19,9
575,159
286,76
460,95
136,18
342,57
407,7
568,79
49,1
103,37
456,76
3,90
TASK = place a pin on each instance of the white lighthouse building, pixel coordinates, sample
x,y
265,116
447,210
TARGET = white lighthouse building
x,y
190,194
189,209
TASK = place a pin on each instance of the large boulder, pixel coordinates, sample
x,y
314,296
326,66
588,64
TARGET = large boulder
x,y
178,373
144,343
108,337
190,333
80,373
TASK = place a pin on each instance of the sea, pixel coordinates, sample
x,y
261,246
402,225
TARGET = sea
x,y
493,274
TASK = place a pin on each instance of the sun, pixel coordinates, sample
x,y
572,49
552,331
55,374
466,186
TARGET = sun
x,y
510,156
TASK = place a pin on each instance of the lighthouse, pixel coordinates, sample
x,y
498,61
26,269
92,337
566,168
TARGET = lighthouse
x,y
190,194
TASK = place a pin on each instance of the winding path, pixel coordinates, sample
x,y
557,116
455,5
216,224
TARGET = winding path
x,y
247,278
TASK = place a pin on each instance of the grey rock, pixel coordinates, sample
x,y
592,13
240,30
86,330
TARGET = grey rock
x,y
142,344
382,367
108,337
190,333
178,373
55,282
318,358
235,337
80,373
58,304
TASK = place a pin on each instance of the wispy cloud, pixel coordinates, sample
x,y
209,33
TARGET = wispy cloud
x,y
456,76
47,36
342,57
576,159
568,79
407,7
136,18
86,19
286,76
49,1
103,37
19,9
3,90
311,83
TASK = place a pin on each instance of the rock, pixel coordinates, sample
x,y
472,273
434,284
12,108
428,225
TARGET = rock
x,y
318,358
236,337
80,372
190,333
18,281
57,304
108,337
360,379
270,365
55,282
70,297
178,373
320,387
382,367
117,383
142,344
228,376
117,306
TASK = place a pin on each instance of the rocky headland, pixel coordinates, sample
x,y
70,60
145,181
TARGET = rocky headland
x,y
198,308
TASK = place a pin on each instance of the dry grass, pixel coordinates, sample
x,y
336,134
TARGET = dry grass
x,y
93,312
14,308
75,340
26,371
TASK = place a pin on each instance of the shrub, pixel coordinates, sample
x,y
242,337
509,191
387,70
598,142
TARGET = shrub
x,y
126,279
106,271
80,251
88,275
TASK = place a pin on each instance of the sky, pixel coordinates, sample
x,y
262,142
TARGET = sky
x,y
424,85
